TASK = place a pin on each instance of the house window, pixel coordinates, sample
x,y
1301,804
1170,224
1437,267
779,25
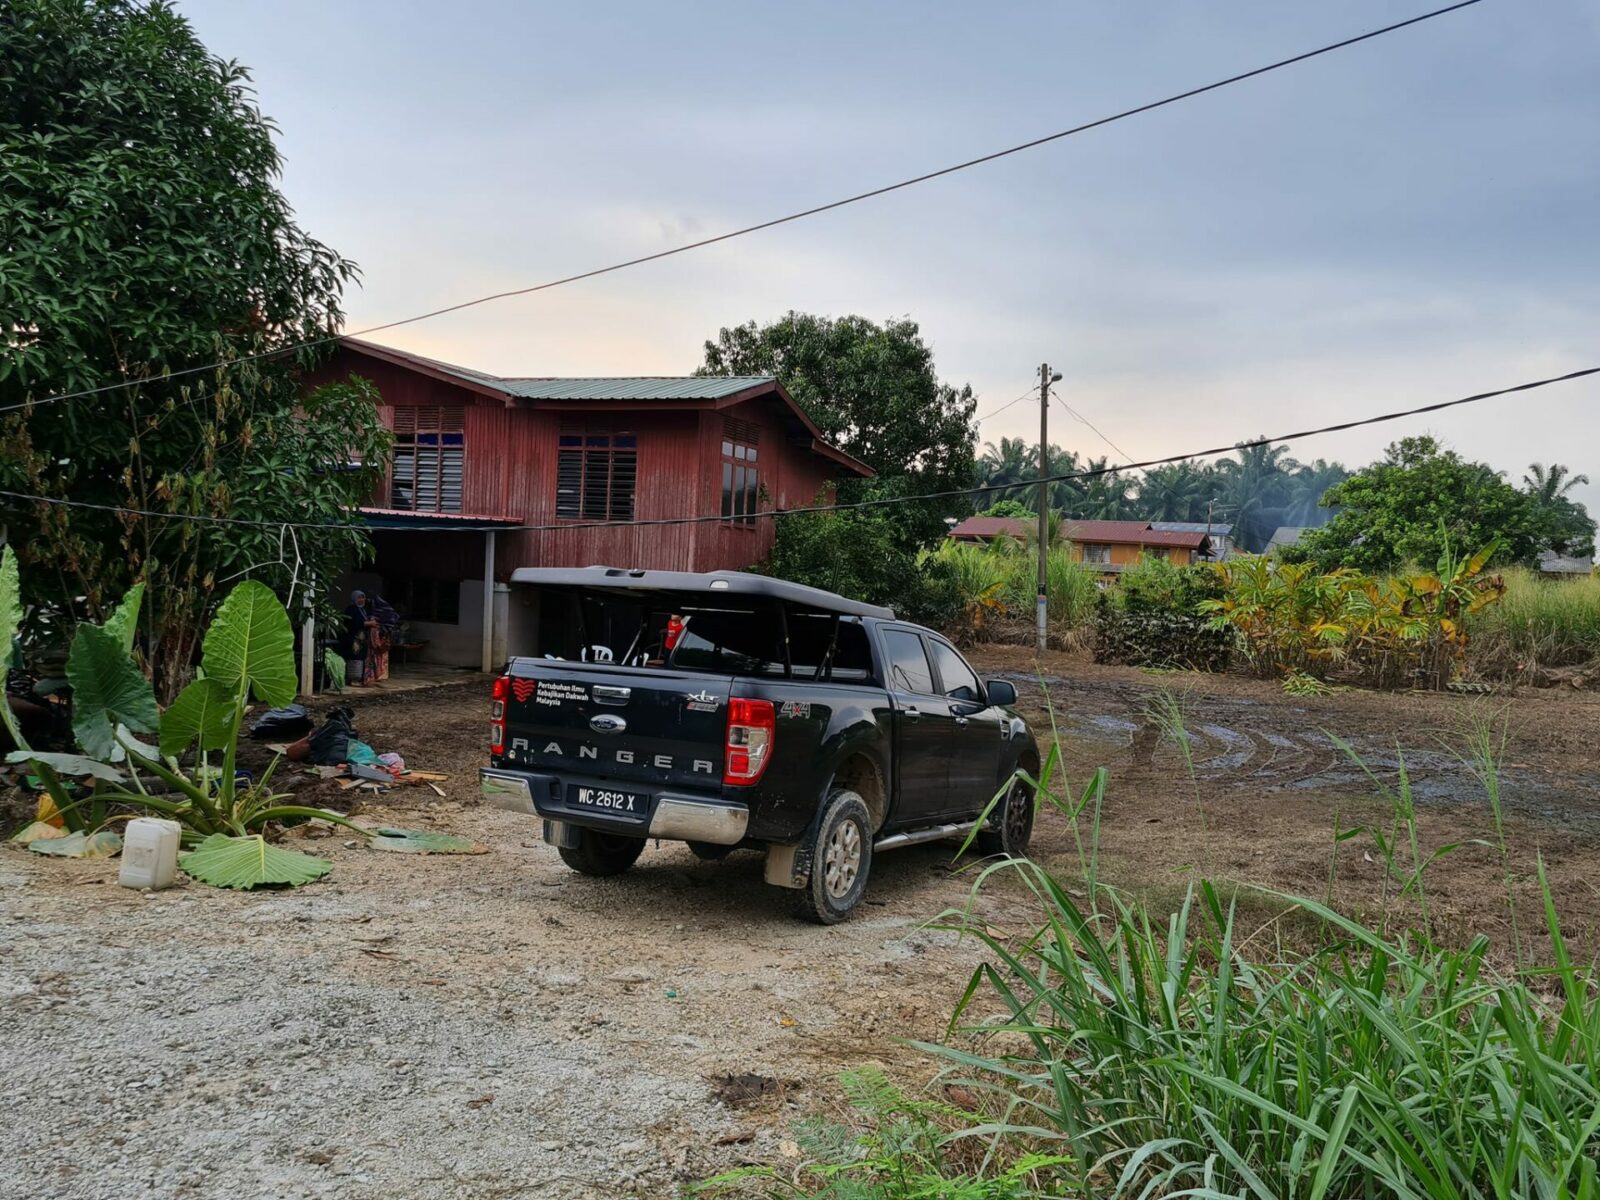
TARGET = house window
x,y
741,478
1096,552
429,455
434,600
596,471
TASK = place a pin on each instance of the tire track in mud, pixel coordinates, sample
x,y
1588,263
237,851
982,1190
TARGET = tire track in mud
x,y
1240,743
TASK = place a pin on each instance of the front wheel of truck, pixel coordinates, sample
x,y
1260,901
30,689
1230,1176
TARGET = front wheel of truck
x,y
602,853
841,859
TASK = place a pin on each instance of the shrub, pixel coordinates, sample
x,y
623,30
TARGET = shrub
x,y
1152,618
1151,1051
1539,623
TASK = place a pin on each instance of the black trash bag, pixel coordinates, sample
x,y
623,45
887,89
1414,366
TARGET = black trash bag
x,y
282,724
330,744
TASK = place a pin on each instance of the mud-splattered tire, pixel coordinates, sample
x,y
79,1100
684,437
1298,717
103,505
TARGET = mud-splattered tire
x,y
841,860
1010,826
602,854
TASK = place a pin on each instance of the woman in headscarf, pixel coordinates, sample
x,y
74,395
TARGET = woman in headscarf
x,y
383,624
359,625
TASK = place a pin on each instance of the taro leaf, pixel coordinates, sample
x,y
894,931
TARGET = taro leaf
x,y
250,639
67,764
10,622
419,841
10,600
123,623
204,709
107,688
248,862
80,845
37,831
333,664
126,739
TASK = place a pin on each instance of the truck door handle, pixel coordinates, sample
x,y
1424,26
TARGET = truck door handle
x,y
960,720
911,711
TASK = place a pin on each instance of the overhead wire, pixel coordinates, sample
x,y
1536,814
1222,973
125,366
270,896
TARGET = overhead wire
x,y
466,523
1072,412
313,343
996,412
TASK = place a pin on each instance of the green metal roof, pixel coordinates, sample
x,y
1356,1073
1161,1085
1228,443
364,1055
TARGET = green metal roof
x,y
647,387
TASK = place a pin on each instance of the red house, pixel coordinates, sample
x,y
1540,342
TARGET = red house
x,y
477,457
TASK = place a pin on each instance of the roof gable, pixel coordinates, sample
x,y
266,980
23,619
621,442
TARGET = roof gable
x,y
645,391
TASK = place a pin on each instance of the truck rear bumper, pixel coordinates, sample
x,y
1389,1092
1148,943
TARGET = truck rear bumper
x,y
673,817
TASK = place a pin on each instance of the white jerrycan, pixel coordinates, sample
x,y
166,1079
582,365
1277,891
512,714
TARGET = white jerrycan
x,y
149,853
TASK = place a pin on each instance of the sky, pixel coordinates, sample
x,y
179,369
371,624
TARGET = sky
x,y
1401,222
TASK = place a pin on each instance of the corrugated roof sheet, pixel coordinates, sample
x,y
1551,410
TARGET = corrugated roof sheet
x,y
1129,533
989,527
649,387
1215,529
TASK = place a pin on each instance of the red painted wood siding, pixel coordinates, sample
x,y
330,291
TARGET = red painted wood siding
x,y
510,470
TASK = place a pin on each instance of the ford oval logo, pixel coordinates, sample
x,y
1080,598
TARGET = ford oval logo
x,y
607,723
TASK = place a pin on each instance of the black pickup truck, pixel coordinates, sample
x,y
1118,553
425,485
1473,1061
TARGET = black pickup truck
x,y
729,709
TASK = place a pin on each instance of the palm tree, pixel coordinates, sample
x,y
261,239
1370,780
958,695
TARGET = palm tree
x,y
1009,463
1175,493
1552,484
1255,488
1309,483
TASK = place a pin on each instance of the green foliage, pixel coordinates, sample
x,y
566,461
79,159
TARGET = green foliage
x,y
1388,632
1010,508
1156,1055
145,234
1257,490
333,665
1001,581
861,554
896,1148
206,710
1566,524
244,862
249,649
873,392
1539,624
108,689
1414,503
1153,618
10,623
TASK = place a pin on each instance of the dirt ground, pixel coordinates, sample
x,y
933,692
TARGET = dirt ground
x,y
498,1026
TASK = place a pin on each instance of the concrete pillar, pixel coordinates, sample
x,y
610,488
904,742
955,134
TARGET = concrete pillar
x,y
488,601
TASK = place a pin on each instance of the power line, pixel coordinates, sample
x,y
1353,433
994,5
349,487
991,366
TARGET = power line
x,y
776,221
996,412
880,502
1085,420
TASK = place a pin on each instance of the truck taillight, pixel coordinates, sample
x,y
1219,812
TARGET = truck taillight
x,y
751,725
497,715
674,630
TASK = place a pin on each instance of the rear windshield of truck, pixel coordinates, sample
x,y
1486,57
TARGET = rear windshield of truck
x,y
731,637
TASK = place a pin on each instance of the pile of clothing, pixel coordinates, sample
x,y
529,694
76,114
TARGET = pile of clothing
x,y
335,743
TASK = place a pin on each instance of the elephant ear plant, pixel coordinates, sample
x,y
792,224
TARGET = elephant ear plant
x,y
248,653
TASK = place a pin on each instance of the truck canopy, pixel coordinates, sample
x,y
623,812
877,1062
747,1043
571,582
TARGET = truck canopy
x,y
708,585
752,626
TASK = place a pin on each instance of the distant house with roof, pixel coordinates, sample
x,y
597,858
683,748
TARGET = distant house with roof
x,y
478,458
1220,533
1564,566
1107,547
1285,536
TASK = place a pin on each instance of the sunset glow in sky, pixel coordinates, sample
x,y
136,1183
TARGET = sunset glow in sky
x,y
1402,222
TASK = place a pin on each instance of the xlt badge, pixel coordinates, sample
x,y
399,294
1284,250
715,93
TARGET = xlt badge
x,y
702,702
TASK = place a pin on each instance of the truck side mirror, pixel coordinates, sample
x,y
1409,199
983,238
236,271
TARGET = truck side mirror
x,y
1001,691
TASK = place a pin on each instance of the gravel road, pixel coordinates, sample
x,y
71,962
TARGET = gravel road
x,y
442,1026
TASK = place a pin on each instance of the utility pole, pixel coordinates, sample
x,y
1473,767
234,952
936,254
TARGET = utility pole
x,y
1046,378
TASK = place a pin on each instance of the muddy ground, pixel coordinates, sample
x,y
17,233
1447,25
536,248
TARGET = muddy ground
x,y
497,1026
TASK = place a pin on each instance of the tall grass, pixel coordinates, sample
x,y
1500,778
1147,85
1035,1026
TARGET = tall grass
x,y
1001,581
1163,1060
1537,623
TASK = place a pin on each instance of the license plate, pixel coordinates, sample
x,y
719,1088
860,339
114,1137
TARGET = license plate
x,y
610,800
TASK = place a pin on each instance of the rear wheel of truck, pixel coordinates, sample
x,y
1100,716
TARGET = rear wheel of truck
x,y
602,853
841,859
1010,826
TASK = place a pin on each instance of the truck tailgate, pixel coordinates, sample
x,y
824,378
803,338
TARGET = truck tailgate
x,y
642,725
